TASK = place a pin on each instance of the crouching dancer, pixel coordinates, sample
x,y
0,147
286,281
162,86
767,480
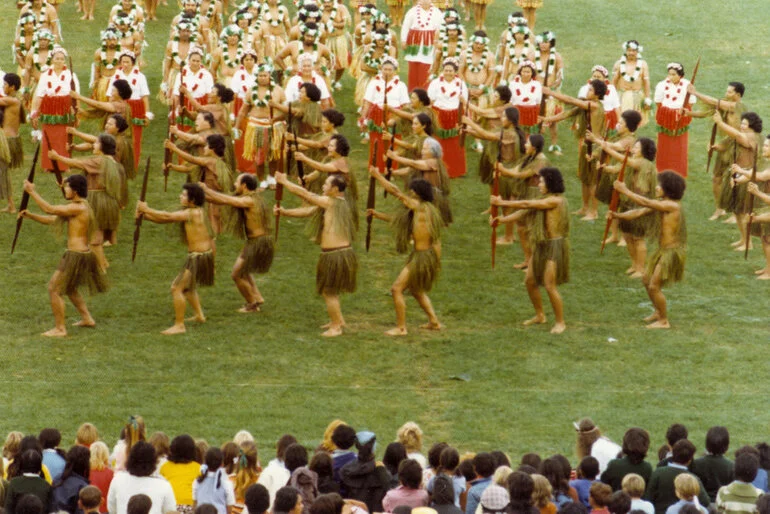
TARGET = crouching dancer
x,y
198,269
416,220
78,266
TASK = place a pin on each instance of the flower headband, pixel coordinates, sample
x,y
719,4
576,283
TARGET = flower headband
x,y
632,45
27,18
265,67
390,60
480,39
367,10
600,69
521,29
378,37
546,36
109,33
451,60
305,30
59,50
518,20
127,53
675,66
454,26
527,64
195,49
43,34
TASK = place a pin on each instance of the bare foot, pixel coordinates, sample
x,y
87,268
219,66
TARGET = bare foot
x,y
579,212
558,328
636,274
761,271
589,217
742,247
86,323
717,214
537,320
764,276
738,243
176,329
732,220
622,243
630,270
504,241
249,307
521,265
432,326
55,332
328,325
197,319
396,332
655,316
663,323
613,239
333,332
9,209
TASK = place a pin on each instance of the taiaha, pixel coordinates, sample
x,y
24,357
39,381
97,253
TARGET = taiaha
x,y
614,201
388,161
70,137
167,155
290,153
751,204
370,200
712,141
461,115
142,198
687,95
543,99
25,198
56,170
495,192
279,186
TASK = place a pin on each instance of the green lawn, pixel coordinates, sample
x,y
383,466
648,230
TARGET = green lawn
x,y
271,373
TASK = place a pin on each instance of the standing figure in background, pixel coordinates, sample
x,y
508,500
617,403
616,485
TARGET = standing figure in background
x,y
673,125
418,34
631,78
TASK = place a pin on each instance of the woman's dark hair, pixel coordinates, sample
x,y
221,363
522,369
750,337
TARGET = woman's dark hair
x,y
678,68
500,459
334,116
217,143
108,144
422,95
423,189
78,462
312,91
520,488
449,460
504,92
512,114
394,454
285,499
79,184
331,503
426,122
295,457
230,453
636,441
31,461
555,185
49,439
141,459
532,459
718,438
648,148
343,437
467,470
434,454
123,88
183,446
672,184
410,473
764,455
551,468
342,145
632,119
755,122
224,93
213,463
120,122
443,490
322,464
450,63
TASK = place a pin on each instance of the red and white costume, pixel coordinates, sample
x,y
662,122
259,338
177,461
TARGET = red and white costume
x,y
200,84
55,113
293,85
241,84
526,97
610,102
673,129
398,96
418,33
445,98
139,90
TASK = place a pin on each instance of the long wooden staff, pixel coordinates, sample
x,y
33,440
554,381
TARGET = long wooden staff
x,y
495,192
370,199
543,97
55,164
687,96
74,102
461,114
279,186
614,201
167,154
712,142
139,219
751,203
25,197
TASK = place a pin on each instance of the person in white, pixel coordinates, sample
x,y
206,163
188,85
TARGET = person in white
x,y
307,73
418,34
139,479
197,80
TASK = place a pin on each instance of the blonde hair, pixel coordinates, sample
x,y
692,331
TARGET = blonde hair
x,y
633,485
161,443
541,494
501,476
247,472
135,432
12,444
327,444
86,435
100,455
410,435
687,486
243,436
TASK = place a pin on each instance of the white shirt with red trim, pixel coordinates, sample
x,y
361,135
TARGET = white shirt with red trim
x,y
56,84
446,95
294,83
672,95
242,82
199,83
135,79
611,100
528,94
396,90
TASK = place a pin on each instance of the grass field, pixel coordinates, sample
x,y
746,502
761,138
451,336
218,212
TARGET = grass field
x,y
272,373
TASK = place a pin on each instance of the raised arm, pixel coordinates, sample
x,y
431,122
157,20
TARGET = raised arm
x,y
198,161
583,104
422,165
104,106
327,167
657,205
66,210
161,217
88,138
319,201
240,202
549,202
740,137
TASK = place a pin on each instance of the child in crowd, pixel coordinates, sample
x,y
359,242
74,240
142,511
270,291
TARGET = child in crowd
x,y
587,471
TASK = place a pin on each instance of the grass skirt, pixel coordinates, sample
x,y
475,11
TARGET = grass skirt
x,y
639,227
671,263
487,162
106,209
336,271
201,266
760,229
587,170
530,4
441,201
17,152
512,188
258,255
556,250
424,267
5,180
605,187
340,47
80,268
733,198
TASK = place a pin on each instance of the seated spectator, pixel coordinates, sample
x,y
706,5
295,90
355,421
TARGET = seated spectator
x,y
65,491
409,492
201,447
86,435
321,464
275,475
552,469
28,442
29,481
29,504
443,496
246,472
410,436
448,464
100,475
181,470
11,448
573,508
132,433
542,494
713,469
327,503
327,445
633,485
344,437
501,476
674,434
636,443
287,501
484,467
740,497
763,504
587,471
162,445
687,488
620,503
257,499
212,486
500,458
434,458
53,456
362,479
531,459
599,495
139,504
394,454
763,453
306,482
89,500
466,470
242,437
520,489
139,479
590,441
661,491
494,500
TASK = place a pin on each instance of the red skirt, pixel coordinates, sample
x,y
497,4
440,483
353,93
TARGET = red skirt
x,y
672,153
55,133
528,115
243,164
454,154
418,75
611,119
138,112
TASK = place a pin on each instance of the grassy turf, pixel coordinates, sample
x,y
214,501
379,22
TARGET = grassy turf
x,y
272,373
